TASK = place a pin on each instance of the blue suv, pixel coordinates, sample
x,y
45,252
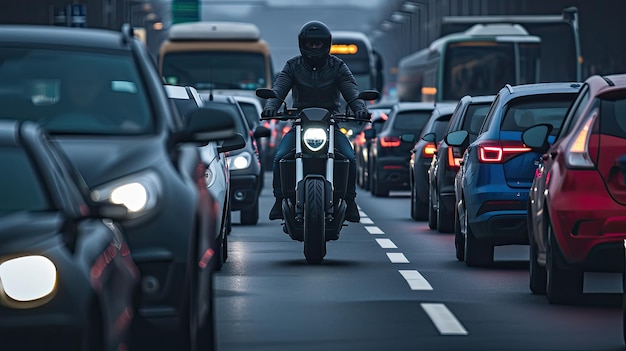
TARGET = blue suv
x,y
497,169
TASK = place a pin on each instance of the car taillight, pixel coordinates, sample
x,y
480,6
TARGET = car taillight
x,y
454,158
360,139
286,130
578,155
500,151
429,150
390,141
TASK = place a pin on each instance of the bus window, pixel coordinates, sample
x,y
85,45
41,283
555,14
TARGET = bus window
x,y
529,60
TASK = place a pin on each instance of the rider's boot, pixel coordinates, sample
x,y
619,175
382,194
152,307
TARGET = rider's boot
x,y
352,211
277,210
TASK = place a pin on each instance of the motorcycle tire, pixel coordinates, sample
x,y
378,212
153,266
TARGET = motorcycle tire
x,y
314,221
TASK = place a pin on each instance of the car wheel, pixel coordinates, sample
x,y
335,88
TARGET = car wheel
x,y
197,332
432,213
459,240
250,216
443,224
219,253
378,189
477,252
418,212
563,286
537,273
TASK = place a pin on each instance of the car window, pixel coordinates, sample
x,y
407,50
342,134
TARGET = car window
x,y
613,114
474,117
411,120
525,112
61,90
251,113
576,110
490,115
21,189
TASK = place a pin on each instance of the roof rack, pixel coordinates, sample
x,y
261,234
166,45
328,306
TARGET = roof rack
x,y
214,31
127,33
509,87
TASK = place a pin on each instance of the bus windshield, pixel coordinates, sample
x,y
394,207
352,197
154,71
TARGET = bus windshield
x,y
482,68
215,70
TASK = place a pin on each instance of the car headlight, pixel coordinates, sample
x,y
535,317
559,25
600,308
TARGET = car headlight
x,y
138,192
210,174
315,138
239,161
27,281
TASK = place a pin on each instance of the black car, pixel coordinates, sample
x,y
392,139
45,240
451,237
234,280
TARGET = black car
x,y
67,280
98,94
390,150
468,115
421,157
361,145
244,164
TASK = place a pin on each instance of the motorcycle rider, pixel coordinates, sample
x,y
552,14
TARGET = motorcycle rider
x,y
316,79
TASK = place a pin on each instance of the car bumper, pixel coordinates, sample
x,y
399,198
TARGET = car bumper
x,y
244,191
393,172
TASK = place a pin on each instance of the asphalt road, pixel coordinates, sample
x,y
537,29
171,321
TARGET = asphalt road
x,y
390,283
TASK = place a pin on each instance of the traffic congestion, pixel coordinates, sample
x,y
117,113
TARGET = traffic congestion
x,y
311,175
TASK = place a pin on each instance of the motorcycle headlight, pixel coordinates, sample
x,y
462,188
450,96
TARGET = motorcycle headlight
x,y
315,138
239,161
138,192
27,281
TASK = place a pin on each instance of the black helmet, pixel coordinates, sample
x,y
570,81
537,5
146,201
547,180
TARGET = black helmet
x,y
314,41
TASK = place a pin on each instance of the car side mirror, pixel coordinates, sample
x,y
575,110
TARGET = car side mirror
x,y
458,138
204,125
235,142
261,132
430,137
265,93
536,137
369,95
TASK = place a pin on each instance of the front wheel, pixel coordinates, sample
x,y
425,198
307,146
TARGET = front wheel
x,y
314,221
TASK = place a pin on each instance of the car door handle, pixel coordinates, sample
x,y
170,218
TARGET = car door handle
x,y
553,154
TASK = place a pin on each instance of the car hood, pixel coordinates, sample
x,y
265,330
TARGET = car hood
x,y
101,160
23,231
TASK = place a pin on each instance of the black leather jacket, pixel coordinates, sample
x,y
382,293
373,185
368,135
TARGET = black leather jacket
x,y
316,87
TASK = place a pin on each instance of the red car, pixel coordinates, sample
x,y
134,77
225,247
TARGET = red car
x,y
577,203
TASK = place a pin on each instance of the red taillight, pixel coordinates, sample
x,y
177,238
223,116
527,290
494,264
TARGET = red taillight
x,y
429,150
286,130
586,138
360,139
384,116
500,151
390,141
454,159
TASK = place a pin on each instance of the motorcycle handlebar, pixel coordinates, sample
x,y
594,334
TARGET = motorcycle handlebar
x,y
341,117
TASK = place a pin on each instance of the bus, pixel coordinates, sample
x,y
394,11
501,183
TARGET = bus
x,y
355,49
227,58
478,61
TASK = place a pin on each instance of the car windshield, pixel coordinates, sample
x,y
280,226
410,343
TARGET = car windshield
x,y
215,70
74,92
20,188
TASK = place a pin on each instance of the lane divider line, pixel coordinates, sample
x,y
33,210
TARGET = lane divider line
x,y
362,214
443,319
397,257
386,244
366,220
374,230
415,280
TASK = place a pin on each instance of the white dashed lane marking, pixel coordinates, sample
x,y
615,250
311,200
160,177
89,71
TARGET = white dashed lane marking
x,y
366,221
374,230
443,319
386,244
397,257
415,280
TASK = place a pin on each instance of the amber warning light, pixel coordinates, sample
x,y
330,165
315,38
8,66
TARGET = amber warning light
x,y
344,49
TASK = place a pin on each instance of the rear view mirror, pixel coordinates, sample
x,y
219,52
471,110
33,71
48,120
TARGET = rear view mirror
x,y
261,132
369,95
430,137
235,142
265,93
369,133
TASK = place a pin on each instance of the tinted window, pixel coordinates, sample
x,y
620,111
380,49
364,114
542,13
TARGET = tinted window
x,y
523,113
411,120
21,188
474,117
252,115
578,106
217,70
613,115
74,92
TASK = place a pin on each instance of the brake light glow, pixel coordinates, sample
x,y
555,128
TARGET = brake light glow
x,y
390,141
578,155
429,150
454,159
286,130
359,139
500,151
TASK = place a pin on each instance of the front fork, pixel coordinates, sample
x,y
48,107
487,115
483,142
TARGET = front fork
x,y
330,162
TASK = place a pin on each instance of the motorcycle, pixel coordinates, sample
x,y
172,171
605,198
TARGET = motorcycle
x,y
314,176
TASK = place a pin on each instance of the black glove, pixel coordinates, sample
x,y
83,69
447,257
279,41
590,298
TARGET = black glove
x,y
363,114
268,112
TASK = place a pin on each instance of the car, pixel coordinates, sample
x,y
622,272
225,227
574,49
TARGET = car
x,y
497,169
576,204
361,144
186,100
469,115
252,108
420,159
67,278
99,96
390,150
245,163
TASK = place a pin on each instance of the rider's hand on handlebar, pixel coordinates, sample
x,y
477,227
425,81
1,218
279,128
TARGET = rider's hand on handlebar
x,y
363,114
268,112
